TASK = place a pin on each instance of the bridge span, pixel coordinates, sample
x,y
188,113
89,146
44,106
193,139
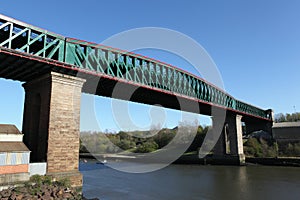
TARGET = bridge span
x,y
57,69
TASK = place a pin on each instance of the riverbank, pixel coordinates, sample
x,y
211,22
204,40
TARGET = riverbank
x,y
192,158
227,160
284,161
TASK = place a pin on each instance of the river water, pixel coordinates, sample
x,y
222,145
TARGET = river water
x,y
192,182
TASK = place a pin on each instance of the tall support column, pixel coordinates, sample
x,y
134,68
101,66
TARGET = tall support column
x,y
220,147
230,142
237,147
51,123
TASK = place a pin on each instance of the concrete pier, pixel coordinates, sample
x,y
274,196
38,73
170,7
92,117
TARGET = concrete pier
x,y
230,142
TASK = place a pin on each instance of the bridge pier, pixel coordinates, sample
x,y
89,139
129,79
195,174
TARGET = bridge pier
x,y
230,143
51,124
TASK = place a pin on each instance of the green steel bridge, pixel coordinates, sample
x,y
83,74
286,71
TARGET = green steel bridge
x,y
27,52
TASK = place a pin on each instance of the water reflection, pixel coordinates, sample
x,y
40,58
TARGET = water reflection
x,y
192,182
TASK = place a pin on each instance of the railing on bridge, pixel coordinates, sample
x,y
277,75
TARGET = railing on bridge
x,y
115,63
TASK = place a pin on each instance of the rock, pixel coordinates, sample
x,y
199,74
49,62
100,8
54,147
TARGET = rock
x,y
26,196
46,195
13,196
67,190
41,192
5,193
53,194
67,196
60,192
20,197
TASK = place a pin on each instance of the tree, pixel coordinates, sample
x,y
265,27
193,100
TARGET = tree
x,y
147,147
164,137
287,117
126,144
280,118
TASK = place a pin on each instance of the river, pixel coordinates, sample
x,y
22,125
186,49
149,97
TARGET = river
x,y
192,182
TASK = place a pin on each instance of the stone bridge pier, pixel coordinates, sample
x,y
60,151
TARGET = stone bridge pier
x,y
230,142
51,124
229,147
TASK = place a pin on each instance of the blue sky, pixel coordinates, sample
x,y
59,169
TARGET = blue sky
x,y
255,44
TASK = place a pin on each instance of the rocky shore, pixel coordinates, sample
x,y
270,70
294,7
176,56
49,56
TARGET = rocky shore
x,y
42,188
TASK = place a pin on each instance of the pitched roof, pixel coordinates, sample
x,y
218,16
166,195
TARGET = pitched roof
x,y
9,129
286,124
13,147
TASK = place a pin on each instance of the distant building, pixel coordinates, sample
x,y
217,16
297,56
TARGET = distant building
x,y
14,155
286,131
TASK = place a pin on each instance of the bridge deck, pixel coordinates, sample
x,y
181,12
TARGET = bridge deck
x,y
27,52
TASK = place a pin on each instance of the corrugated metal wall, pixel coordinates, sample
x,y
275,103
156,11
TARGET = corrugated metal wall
x,y
2,159
25,158
14,158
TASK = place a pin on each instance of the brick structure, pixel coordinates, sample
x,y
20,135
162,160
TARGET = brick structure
x,y
51,123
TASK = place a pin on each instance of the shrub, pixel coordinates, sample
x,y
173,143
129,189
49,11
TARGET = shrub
x,y
147,147
47,180
126,144
297,149
37,179
289,149
260,148
64,182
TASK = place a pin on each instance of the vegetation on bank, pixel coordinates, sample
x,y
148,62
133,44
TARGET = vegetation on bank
x,y
289,149
139,142
263,148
